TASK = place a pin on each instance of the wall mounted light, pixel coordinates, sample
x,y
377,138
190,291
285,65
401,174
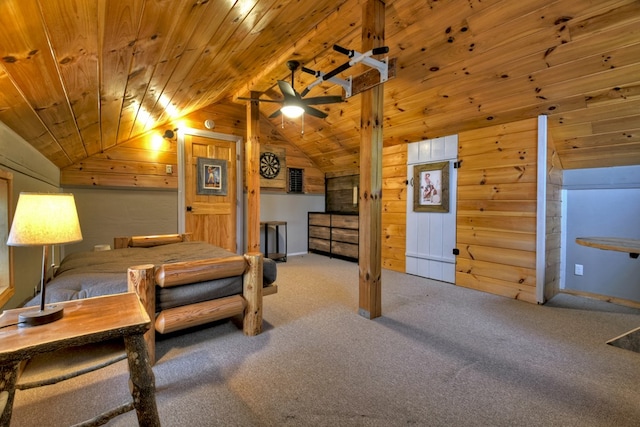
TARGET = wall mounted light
x,y
157,142
169,133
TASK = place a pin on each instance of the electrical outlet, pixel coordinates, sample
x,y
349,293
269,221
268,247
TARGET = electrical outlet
x,y
169,168
578,271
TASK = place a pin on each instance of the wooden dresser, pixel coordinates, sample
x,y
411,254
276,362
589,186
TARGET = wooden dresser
x,y
334,234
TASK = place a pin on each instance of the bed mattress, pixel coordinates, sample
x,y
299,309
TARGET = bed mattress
x,y
91,274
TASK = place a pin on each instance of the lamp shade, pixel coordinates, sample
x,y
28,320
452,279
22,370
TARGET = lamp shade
x,y
45,219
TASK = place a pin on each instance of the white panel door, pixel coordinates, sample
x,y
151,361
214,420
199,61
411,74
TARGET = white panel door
x,y
431,236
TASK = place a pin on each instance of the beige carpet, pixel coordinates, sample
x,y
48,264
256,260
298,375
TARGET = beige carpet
x,y
440,355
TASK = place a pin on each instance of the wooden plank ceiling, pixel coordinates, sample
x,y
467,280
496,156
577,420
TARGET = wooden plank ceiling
x,y
80,76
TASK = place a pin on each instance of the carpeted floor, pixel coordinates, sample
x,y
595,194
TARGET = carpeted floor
x,y
440,355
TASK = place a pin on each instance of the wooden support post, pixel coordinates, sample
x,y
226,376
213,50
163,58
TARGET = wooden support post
x,y
140,279
252,293
252,162
370,257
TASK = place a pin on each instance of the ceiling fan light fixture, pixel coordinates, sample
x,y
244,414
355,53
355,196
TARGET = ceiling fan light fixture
x,y
292,111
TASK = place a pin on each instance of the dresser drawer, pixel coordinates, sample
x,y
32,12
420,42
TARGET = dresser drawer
x,y
319,245
333,234
344,221
320,219
319,232
344,235
344,249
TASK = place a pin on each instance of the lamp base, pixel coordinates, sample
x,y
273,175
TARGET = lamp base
x,y
41,317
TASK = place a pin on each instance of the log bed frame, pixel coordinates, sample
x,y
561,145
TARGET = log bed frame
x,y
143,279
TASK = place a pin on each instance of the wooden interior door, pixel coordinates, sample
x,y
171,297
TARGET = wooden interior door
x,y
210,217
431,236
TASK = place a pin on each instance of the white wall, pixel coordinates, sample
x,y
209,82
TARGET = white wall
x,y
294,209
602,203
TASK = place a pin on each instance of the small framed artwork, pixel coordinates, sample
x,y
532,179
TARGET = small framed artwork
x,y
212,177
431,187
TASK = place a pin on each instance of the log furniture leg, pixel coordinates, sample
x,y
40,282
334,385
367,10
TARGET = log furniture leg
x,y
252,292
8,378
142,381
86,321
140,279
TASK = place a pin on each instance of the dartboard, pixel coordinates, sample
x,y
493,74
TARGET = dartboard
x,y
269,165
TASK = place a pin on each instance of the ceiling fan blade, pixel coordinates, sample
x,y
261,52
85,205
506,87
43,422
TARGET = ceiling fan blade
x,y
275,114
287,89
260,99
313,112
317,100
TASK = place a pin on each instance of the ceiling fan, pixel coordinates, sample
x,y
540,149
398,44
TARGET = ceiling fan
x,y
293,104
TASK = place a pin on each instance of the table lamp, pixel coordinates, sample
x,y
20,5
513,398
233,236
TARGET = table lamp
x,y
40,220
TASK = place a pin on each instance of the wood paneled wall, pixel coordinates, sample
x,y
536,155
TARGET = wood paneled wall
x,y
497,204
141,162
496,231
134,164
394,207
339,193
278,183
270,135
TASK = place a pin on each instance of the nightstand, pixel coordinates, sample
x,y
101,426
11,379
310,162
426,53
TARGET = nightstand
x,y
85,321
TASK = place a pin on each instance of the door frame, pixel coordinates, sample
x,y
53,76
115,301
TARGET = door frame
x,y
239,174
541,213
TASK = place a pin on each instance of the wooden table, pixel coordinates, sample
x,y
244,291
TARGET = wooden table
x,y
277,255
620,244
629,340
85,321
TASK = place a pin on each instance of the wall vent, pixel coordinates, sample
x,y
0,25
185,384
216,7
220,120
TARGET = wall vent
x,y
295,181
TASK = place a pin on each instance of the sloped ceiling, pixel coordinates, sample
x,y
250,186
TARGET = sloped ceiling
x,y
78,77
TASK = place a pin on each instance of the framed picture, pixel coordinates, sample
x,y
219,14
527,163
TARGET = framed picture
x,y
212,177
431,187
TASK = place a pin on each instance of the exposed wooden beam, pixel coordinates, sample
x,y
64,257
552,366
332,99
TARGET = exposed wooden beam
x,y
252,159
370,197
371,78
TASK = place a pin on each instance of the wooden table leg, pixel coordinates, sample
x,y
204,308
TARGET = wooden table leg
x,y
8,378
142,381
